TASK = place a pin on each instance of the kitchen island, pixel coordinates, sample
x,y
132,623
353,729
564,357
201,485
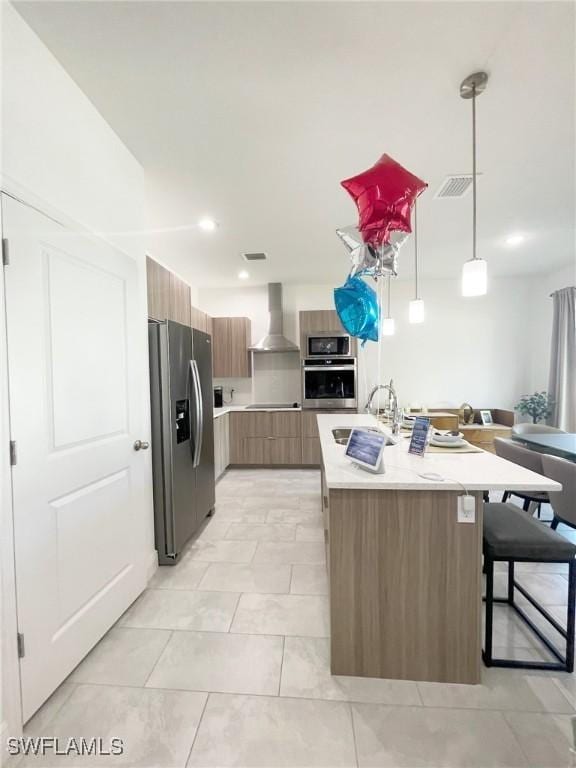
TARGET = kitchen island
x,y
405,575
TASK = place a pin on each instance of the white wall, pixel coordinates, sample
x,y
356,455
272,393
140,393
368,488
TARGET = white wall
x,y
60,155
488,351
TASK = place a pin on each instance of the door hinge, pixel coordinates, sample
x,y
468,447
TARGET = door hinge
x,y
13,454
5,254
21,648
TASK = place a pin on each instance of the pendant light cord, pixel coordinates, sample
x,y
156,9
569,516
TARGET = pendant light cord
x,y
416,248
474,171
389,303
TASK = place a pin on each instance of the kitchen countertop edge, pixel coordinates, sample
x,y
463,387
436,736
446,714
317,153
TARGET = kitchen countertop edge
x,y
471,471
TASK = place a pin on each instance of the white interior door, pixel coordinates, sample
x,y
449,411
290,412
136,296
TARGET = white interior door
x,y
75,411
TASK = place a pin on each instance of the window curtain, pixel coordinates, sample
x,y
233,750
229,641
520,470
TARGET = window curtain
x,y
562,381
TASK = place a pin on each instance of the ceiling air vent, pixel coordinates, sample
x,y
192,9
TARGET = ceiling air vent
x,y
254,256
455,186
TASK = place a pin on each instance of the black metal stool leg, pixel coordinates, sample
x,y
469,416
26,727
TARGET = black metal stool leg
x,y
511,581
489,566
570,617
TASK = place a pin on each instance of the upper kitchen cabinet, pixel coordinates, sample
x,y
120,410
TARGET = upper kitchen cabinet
x,y
200,320
180,305
231,338
168,296
158,282
324,320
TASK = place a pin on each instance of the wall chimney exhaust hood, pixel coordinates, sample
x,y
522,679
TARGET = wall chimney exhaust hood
x,y
275,341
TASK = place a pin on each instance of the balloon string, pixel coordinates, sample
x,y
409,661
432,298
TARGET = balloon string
x,y
381,314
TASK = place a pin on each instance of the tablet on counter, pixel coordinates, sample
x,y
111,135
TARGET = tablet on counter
x,y
365,448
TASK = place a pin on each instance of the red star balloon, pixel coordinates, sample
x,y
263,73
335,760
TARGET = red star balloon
x,y
384,195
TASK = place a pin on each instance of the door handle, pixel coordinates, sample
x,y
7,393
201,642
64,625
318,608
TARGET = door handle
x,y
199,411
141,445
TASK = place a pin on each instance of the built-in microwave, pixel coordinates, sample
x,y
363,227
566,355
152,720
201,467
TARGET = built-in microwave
x,y
329,383
328,344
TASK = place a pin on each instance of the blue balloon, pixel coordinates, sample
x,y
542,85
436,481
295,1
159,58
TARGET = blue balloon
x,y
357,307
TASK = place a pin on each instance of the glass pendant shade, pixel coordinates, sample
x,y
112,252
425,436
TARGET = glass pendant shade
x,y
388,326
416,311
474,278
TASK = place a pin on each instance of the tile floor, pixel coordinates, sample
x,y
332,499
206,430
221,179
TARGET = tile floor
x,y
224,661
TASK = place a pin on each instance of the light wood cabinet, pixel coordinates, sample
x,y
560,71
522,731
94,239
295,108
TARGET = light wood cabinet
x,y
310,424
311,451
286,450
200,320
221,444
483,436
179,300
440,419
267,438
168,295
158,287
231,338
321,320
286,424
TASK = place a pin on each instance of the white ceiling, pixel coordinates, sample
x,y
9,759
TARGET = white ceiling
x,y
254,112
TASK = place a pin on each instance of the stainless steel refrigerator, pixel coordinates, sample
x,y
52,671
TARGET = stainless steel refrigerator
x,y
182,434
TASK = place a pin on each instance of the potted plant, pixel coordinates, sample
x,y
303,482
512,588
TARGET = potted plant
x,y
538,406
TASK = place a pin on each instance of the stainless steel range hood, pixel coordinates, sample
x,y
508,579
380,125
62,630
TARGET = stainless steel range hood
x,y
275,341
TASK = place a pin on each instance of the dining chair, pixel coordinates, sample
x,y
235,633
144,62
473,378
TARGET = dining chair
x,y
524,457
563,502
532,429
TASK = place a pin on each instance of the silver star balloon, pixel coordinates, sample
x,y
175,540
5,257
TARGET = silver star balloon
x,y
377,261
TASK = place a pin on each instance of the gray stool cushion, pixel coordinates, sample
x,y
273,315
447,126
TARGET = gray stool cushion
x,y
511,533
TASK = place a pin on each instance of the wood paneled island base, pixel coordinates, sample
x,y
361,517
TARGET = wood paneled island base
x,y
405,586
405,576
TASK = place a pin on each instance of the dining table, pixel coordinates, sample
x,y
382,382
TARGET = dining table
x,y
561,444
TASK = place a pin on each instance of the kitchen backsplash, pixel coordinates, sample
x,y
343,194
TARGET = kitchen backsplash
x,y
276,377
242,391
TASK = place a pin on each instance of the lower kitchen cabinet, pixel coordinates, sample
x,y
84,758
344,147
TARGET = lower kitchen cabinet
x,y
286,450
269,438
311,451
221,444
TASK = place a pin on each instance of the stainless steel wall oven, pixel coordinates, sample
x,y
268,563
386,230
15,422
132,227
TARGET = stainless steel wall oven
x,y
329,382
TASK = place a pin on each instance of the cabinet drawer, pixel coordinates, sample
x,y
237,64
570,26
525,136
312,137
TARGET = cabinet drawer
x,y
309,424
311,451
286,424
254,450
251,424
286,450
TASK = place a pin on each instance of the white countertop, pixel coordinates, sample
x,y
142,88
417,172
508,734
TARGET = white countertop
x,y
403,471
229,408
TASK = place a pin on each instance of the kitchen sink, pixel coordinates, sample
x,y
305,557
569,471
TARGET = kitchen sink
x,y
341,435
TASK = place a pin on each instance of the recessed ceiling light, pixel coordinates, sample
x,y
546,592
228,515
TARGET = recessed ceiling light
x,y
243,275
515,239
207,224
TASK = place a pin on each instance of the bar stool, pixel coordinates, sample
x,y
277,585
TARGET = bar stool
x,y
563,502
524,457
511,536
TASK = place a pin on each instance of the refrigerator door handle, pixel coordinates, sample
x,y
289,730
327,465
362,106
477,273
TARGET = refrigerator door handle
x,y
199,411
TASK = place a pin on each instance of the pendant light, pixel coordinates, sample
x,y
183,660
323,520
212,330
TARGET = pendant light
x,y
474,271
416,306
388,325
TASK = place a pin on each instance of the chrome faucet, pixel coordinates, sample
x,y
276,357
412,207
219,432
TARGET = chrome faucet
x,y
393,397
